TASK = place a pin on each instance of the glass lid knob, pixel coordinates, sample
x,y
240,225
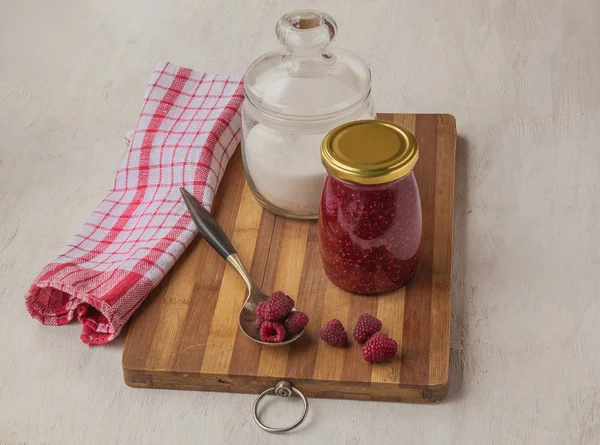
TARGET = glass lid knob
x,y
305,29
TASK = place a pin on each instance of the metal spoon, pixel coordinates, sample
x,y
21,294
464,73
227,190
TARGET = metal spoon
x,y
213,233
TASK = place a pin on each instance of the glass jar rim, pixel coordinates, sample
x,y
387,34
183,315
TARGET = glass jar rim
x,y
308,118
366,187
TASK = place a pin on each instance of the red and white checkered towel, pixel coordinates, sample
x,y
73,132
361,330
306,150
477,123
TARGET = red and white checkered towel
x,y
187,132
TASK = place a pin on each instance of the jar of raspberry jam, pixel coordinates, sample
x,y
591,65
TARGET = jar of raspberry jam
x,y
370,213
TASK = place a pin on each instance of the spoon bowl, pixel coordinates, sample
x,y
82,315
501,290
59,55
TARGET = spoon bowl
x,y
213,233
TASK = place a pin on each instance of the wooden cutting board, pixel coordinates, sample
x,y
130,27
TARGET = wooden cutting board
x,y
185,335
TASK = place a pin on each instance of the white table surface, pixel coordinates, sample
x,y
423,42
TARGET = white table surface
x,y
522,79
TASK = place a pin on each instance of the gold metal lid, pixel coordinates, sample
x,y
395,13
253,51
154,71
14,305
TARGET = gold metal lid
x,y
369,152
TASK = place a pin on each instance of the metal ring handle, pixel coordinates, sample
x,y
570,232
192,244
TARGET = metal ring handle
x,y
283,388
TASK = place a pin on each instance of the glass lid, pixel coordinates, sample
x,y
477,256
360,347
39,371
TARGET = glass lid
x,y
307,78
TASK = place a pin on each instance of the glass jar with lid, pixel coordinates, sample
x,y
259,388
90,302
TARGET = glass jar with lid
x,y
293,98
370,218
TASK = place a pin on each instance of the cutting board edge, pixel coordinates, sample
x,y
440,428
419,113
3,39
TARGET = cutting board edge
x,y
390,116
193,381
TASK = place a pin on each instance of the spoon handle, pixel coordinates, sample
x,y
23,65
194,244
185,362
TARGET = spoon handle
x,y
208,226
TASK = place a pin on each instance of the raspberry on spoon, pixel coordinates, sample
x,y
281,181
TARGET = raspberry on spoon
x,y
295,322
272,332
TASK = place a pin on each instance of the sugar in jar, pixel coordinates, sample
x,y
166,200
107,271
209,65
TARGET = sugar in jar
x,y
370,213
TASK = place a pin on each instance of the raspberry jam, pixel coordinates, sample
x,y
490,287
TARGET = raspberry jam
x,y
370,214
370,234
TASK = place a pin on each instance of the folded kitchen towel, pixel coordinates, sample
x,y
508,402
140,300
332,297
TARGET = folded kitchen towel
x,y
188,130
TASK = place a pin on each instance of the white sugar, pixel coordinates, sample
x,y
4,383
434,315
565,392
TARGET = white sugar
x,y
286,168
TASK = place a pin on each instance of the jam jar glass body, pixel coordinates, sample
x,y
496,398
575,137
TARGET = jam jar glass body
x,y
370,234
293,98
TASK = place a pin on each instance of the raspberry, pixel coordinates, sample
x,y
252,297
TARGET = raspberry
x,y
260,314
334,333
366,325
295,322
278,306
272,332
379,347
260,309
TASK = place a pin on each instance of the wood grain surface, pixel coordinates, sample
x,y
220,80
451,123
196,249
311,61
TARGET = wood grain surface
x,y
185,336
